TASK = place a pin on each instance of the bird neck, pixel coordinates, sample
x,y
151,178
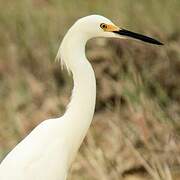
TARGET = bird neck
x,y
81,107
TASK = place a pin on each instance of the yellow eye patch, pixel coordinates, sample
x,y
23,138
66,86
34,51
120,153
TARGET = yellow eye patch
x,y
109,27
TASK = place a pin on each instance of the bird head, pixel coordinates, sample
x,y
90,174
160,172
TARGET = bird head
x,y
99,26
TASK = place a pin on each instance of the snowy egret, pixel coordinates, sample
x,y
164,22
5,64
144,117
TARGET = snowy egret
x,y
48,151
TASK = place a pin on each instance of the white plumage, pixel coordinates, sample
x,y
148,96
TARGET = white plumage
x,y
48,151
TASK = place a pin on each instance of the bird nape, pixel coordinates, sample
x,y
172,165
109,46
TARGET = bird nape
x,y
48,151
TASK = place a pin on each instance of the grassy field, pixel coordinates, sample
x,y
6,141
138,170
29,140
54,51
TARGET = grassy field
x,y
135,133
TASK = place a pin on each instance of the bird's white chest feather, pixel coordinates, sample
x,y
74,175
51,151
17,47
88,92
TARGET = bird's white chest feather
x,y
42,155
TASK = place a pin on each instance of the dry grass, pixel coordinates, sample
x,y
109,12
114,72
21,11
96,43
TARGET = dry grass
x,y
135,131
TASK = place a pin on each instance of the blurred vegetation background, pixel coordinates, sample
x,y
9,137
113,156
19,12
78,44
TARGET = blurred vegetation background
x,y
135,133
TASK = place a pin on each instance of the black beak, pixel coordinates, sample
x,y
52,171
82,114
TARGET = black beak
x,y
124,32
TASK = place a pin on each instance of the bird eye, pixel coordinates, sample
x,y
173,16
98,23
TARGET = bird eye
x,y
103,26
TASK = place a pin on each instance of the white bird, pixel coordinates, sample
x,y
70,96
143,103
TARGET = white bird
x,y
48,151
